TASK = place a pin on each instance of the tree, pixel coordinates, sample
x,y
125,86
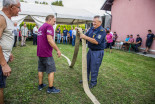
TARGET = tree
x,y
21,0
58,3
36,2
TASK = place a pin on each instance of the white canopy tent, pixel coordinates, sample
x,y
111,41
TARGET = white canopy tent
x,y
37,13
33,13
72,16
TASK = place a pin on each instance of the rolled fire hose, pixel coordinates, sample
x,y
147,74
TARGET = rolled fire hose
x,y
84,74
84,66
76,50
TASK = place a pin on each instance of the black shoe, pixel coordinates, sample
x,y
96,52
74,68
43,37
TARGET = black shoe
x,y
144,52
53,90
80,81
91,86
40,87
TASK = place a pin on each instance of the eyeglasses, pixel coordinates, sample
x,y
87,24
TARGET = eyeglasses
x,y
17,7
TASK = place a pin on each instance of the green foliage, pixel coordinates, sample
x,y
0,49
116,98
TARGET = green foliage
x,y
68,27
58,3
21,0
30,26
124,78
36,2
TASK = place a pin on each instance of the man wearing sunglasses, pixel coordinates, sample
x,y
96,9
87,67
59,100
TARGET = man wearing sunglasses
x,y
10,9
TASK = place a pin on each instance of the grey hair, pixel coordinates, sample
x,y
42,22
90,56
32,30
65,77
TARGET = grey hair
x,y
99,18
7,3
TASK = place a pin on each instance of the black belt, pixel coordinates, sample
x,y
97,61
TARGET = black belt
x,y
96,49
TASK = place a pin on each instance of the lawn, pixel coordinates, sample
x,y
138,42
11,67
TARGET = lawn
x,y
124,78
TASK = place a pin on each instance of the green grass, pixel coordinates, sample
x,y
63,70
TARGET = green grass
x,y
124,78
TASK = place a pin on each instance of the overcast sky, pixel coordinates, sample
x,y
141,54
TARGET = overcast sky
x,y
91,5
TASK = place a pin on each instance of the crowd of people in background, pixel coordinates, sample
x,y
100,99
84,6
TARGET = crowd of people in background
x,y
66,36
69,37
129,42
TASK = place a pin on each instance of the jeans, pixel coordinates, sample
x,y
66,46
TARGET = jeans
x,y
34,39
15,40
73,40
58,38
64,38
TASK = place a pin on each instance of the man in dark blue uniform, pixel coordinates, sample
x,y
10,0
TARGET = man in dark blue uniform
x,y
96,42
138,43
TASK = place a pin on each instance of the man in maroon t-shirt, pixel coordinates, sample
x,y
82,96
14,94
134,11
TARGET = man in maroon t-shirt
x,y
45,45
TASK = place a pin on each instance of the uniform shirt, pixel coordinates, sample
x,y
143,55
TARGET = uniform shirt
x,y
70,32
43,47
99,35
150,37
109,38
58,31
138,40
34,30
65,32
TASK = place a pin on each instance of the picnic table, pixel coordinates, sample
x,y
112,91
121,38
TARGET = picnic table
x,y
130,44
118,44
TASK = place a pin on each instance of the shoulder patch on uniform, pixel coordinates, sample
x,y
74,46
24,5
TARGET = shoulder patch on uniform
x,y
99,36
101,30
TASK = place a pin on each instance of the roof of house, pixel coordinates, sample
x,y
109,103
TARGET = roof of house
x,y
107,5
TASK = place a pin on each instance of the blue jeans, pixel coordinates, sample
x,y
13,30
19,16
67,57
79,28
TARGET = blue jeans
x,y
64,38
34,39
58,38
94,60
2,78
73,40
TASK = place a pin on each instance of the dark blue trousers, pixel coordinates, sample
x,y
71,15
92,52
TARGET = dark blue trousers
x,y
34,39
94,60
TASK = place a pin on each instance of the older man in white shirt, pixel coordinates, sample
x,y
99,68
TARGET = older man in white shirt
x,y
35,32
74,36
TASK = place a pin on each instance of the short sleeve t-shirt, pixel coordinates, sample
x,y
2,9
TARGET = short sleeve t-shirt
x,y
65,32
74,32
70,32
58,31
150,37
138,40
109,38
127,39
43,47
131,40
35,30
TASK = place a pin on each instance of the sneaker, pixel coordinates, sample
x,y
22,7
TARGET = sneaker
x,y
144,52
40,87
91,86
53,90
80,81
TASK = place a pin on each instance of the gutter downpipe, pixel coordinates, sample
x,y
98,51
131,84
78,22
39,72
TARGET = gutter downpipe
x,y
111,18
